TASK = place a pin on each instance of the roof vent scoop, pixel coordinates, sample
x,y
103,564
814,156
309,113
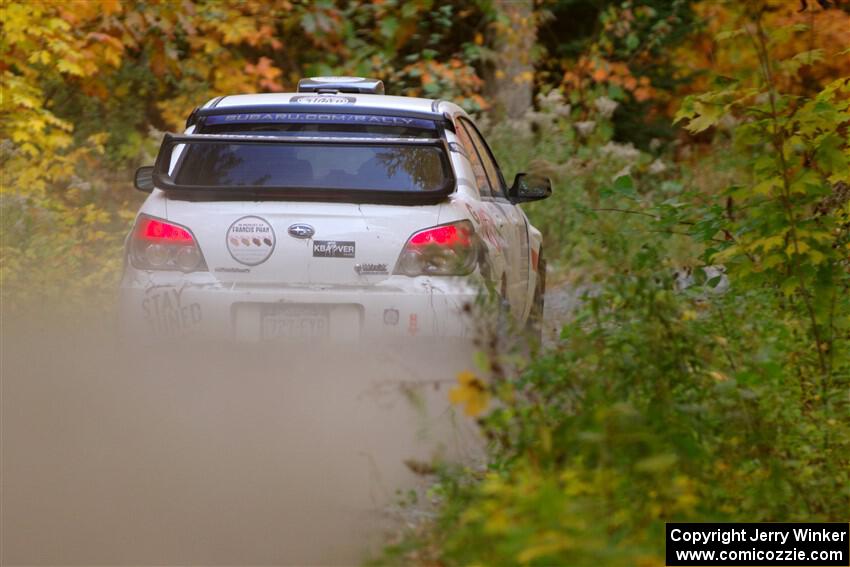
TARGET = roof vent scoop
x,y
328,85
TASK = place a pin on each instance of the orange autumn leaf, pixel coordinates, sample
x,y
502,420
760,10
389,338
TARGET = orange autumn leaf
x,y
643,94
268,74
111,7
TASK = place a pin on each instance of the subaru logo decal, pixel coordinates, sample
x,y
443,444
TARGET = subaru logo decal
x,y
301,231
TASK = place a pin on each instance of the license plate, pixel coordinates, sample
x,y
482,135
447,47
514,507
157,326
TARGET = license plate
x,y
290,322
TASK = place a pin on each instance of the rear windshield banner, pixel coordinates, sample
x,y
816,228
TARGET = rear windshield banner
x,y
319,118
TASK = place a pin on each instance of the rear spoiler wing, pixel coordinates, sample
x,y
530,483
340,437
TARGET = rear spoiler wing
x,y
163,179
201,115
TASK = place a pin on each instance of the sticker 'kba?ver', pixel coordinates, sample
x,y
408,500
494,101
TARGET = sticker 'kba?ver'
x,y
333,249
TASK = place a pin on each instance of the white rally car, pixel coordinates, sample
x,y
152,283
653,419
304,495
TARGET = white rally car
x,y
332,212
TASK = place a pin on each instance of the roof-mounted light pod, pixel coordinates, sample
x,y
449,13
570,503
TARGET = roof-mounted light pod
x,y
330,85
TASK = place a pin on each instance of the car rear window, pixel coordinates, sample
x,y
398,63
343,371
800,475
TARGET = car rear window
x,y
315,166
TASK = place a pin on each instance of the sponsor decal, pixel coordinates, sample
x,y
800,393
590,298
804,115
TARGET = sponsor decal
x,y
233,270
250,240
323,99
167,313
333,249
413,325
319,118
364,269
391,317
301,230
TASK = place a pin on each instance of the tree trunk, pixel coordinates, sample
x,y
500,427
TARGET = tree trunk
x,y
510,76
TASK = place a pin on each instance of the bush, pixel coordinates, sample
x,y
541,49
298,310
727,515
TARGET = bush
x,y
722,400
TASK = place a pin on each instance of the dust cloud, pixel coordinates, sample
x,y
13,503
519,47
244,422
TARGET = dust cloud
x,y
213,454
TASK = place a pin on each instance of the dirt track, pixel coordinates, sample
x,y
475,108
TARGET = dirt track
x,y
209,457
222,456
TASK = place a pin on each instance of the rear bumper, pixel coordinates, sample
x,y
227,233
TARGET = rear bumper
x,y
171,304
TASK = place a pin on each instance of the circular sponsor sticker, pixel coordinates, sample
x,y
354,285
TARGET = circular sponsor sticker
x,y
250,240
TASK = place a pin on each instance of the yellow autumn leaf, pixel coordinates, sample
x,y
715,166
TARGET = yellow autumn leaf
x,y
689,315
719,376
768,243
816,256
726,255
799,248
772,261
497,523
70,67
470,392
789,286
708,115
767,186
549,544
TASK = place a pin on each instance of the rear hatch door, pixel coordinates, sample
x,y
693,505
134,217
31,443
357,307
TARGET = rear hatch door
x,y
301,243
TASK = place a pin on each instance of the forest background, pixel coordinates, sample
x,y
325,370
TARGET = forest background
x,y
699,142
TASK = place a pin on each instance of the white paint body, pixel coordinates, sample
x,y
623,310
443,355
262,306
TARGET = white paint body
x,y
230,300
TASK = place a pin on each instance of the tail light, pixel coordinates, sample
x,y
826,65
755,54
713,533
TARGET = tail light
x,y
445,250
160,245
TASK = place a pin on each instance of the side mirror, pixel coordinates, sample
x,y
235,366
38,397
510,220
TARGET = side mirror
x,y
529,187
144,179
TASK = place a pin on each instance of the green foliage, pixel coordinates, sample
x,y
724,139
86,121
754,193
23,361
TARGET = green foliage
x,y
722,400
787,227
595,192
626,51
656,405
64,251
654,408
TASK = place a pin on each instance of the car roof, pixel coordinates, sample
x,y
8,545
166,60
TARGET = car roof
x,y
329,103
360,100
